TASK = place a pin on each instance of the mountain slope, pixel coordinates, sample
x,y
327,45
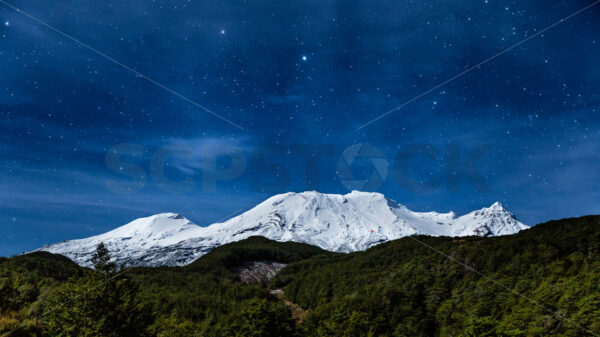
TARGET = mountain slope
x,y
545,283
342,223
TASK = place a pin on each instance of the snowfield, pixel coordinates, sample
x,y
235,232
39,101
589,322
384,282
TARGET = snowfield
x,y
341,223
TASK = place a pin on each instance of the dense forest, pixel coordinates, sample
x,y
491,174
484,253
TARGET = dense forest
x,y
544,281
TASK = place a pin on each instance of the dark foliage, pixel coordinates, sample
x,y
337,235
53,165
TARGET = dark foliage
x,y
404,288
400,288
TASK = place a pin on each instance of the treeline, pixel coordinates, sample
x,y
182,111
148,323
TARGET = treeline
x,y
42,294
541,282
546,282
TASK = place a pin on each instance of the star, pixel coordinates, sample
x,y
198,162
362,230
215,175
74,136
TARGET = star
x,y
6,23
222,32
304,58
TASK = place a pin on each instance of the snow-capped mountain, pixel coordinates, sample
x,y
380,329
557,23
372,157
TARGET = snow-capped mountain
x,y
342,223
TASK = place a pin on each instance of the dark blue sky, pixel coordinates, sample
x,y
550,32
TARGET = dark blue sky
x,y
300,77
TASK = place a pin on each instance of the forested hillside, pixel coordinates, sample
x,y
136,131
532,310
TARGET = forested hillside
x,y
539,282
404,288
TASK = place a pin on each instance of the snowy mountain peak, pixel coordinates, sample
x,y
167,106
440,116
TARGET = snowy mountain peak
x,y
496,206
158,225
343,223
168,215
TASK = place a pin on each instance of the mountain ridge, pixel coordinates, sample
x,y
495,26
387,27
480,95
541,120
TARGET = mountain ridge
x,y
342,223
402,287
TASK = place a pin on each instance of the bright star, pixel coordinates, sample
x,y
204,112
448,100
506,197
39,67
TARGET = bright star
x,y
6,23
222,32
304,58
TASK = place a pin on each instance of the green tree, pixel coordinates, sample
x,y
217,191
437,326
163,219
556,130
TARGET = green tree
x,y
173,326
102,303
101,260
261,318
7,294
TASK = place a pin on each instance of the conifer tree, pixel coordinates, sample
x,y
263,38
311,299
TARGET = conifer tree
x,y
103,303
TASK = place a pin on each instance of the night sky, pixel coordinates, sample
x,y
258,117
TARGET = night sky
x,y
300,78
